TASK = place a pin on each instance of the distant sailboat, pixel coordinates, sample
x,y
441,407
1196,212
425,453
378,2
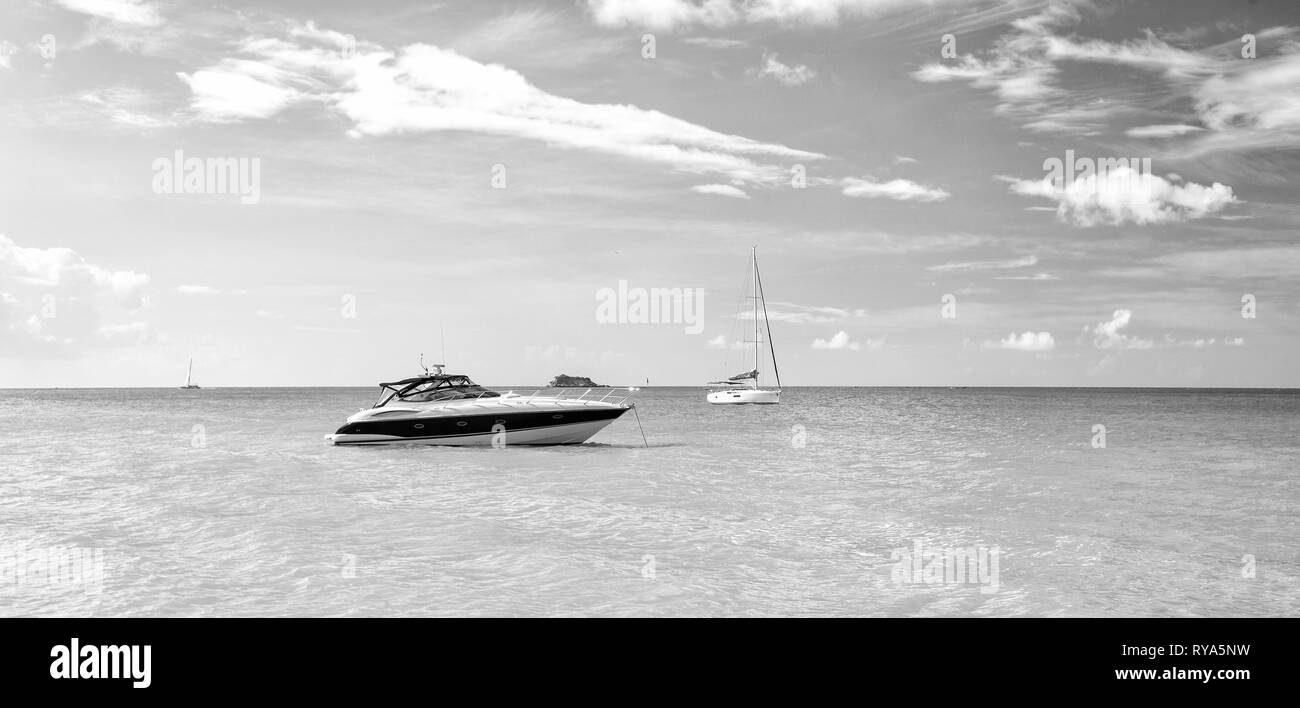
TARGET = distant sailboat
x,y
189,376
744,387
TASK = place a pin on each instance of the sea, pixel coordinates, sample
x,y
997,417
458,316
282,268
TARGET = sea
x,y
876,502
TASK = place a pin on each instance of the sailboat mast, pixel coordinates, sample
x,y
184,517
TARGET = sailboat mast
x,y
189,372
755,296
776,370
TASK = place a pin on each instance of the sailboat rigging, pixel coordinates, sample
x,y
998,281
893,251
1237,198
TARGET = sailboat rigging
x,y
744,387
189,376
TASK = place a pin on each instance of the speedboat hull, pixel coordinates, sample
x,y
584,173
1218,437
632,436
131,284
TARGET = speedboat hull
x,y
538,424
743,396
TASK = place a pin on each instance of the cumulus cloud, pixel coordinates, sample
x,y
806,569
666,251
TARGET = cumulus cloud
x,y
722,190
841,340
1025,342
900,189
1124,195
1110,334
783,73
55,300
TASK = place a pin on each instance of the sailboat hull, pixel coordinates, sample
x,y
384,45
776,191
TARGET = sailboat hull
x,y
747,396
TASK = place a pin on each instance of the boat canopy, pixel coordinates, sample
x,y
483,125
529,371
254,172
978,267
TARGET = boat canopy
x,y
433,387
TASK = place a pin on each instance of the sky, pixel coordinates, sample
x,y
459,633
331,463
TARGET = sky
x,y
470,177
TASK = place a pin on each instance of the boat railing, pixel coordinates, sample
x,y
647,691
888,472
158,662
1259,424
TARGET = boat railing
x,y
599,394
616,395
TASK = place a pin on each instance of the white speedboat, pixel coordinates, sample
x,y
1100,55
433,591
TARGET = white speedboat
x,y
450,409
744,387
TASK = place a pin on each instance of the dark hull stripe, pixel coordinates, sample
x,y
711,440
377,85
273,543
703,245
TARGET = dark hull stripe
x,y
479,424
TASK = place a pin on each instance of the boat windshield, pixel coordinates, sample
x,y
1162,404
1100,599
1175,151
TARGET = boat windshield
x,y
448,388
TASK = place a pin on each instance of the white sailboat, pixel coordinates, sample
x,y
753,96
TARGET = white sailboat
x,y
189,376
744,387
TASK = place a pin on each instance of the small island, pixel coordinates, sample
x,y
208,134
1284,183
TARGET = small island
x,y
563,381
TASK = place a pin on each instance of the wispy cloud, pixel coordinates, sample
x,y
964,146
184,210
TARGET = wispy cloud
x,y
670,14
722,190
1162,131
804,314
1023,262
1231,103
1035,276
206,290
716,42
130,12
424,88
900,189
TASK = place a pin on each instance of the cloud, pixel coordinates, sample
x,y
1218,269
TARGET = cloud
x,y
804,314
783,73
1161,131
423,88
128,12
127,333
715,42
1035,276
722,190
555,354
1203,343
237,89
986,265
56,302
206,290
900,189
720,342
840,340
670,14
1025,342
1109,334
1123,195
127,106
1241,104
902,160
7,50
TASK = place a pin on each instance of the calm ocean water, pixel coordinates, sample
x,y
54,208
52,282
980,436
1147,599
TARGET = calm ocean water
x,y
778,510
